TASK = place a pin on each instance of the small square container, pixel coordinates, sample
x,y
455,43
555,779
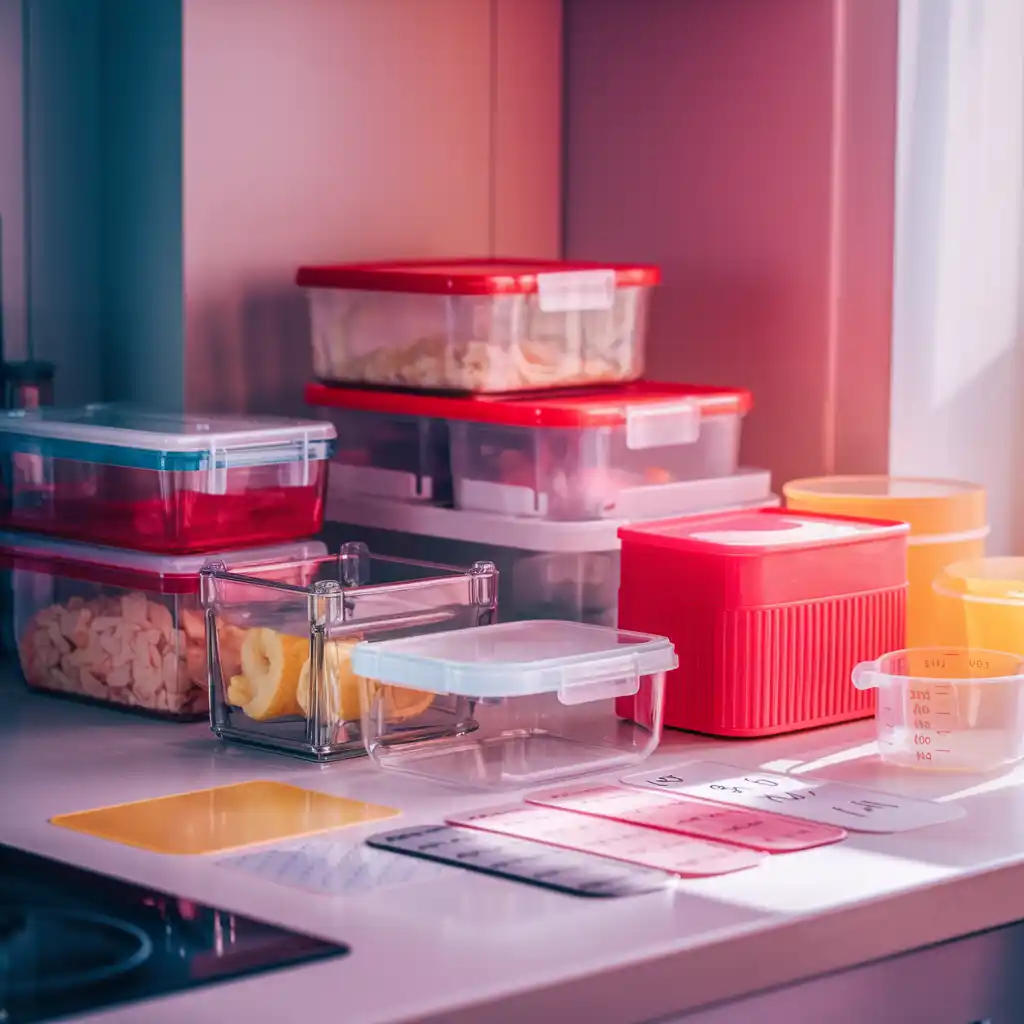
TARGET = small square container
x,y
280,655
160,482
547,569
122,628
478,326
769,612
954,709
387,448
528,702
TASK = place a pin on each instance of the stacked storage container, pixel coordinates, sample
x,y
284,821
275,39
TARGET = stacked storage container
x,y
496,409
110,513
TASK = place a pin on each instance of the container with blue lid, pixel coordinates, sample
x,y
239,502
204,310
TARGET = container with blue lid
x,y
163,482
535,701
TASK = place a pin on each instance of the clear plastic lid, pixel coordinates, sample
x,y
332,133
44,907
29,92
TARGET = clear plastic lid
x,y
121,435
761,530
579,662
48,554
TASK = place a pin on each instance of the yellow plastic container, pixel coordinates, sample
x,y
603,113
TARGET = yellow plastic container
x,y
981,603
947,524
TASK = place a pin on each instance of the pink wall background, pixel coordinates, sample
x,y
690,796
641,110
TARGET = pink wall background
x,y
748,147
320,130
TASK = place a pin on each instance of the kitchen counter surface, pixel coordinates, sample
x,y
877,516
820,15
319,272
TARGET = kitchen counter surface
x,y
467,947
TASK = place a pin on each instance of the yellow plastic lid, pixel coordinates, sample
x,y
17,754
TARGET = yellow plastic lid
x,y
995,580
929,506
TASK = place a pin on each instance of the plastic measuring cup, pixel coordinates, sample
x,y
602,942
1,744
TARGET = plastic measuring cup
x,y
947,709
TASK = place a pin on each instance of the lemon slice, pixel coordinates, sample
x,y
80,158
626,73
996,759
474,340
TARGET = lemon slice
x,y
271,663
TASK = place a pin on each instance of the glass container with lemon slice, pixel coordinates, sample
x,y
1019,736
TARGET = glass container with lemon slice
x,y
293,688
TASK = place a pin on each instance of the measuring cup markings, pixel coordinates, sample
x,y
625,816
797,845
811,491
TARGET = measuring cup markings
x,y
930,708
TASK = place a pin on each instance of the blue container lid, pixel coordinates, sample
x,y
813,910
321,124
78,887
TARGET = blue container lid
x,y
122,435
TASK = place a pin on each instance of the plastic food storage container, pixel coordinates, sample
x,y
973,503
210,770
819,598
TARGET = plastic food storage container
x,y
980,603
953,709
547,569
386,447
291,688
947,524
120,627
769,611
478,325
528,702
167,483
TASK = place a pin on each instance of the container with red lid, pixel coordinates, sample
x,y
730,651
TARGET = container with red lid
x,y
124,628
769,611
478,326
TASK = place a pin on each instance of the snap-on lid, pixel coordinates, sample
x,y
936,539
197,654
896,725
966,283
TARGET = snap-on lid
x,y
120,435
590,284
577,661
635,406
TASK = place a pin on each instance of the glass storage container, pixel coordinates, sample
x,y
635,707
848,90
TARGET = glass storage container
x,y
947,524
527,702
121,627
162,482
478,325
769,611
292,689
547,569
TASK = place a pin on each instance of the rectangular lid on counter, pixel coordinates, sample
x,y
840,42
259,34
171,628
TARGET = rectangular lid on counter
x,y
178,574
121,435
621,405
770,556
579,662
591,284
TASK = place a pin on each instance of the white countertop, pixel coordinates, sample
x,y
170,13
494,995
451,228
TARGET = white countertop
x,y
502,951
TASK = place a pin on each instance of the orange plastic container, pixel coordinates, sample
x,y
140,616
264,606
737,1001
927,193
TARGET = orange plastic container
x,y
947,521
980,603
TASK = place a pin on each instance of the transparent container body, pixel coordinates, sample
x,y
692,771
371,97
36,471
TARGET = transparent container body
x,y
163,511
947,519
980,603
947,709
534,702
474,343
587,473
114,635
280,656
401,457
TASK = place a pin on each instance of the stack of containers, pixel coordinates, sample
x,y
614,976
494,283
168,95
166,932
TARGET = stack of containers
x,y
496,409
109,513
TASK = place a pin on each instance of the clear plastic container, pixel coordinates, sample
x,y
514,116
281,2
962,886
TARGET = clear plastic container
x,y
947,524
291,689
528,702
384,450
547,569
167,483
478,325
952,709
122,628
980,603
769,611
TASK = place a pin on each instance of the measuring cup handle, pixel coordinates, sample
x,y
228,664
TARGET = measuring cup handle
x,y
863,675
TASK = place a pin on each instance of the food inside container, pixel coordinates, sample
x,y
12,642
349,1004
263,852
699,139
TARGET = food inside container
x,y
526,702
124,628
477,325
769,611
166,483
947,709
291,687
548,569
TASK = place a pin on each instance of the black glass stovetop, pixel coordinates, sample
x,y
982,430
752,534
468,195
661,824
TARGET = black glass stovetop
x,y
73,941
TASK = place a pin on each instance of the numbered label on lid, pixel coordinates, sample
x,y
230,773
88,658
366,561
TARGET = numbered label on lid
x,y
755,830
831,803
680,855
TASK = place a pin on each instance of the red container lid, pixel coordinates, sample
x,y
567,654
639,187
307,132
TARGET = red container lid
x,y
773,556
464,276
606,406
